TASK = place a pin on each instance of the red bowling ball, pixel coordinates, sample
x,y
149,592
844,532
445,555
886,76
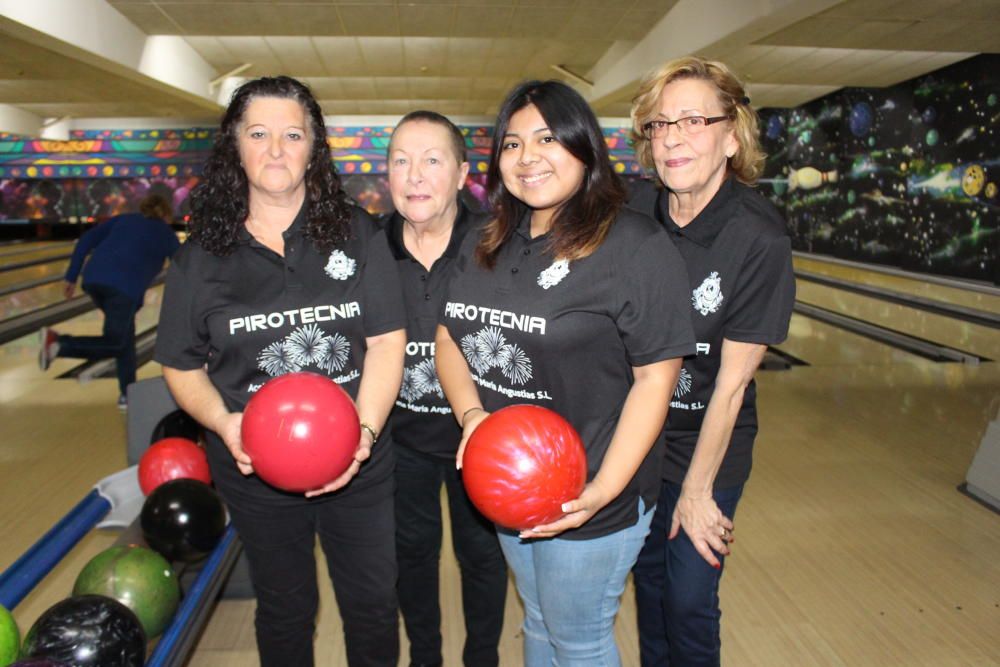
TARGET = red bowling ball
x,y
521,464
301,430
172,458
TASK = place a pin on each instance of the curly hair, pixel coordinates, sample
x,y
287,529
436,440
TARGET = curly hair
x,y
220,201
748,162
583,222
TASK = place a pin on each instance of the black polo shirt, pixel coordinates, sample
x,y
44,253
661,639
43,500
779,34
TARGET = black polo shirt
x,y
565,335
254,315
741,287
422,418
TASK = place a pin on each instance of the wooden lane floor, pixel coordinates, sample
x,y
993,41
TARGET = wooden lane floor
x,y
47,251
55,269
906,285
23,301
853,546
966,336
821,344
8,253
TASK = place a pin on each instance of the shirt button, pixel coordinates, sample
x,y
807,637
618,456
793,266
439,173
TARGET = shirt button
x,y
527,251
514,270
427,297
423,277
291,269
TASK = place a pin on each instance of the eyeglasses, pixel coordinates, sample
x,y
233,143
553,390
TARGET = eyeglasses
x,y
689,126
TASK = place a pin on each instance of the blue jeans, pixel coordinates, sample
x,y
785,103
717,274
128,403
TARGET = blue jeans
x,y
677,591
117,339
571,590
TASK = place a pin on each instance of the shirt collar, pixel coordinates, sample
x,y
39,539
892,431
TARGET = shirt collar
x,y
394,229
297,227
707,224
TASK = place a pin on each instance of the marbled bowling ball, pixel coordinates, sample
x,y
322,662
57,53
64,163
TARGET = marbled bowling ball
x,y
183,519
521,464
139,578
88,631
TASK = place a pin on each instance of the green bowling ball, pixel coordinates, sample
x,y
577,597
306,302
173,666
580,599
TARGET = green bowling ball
x,y
139,578
10,638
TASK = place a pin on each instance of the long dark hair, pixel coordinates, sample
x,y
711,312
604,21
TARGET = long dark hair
x,y
583,222
220,201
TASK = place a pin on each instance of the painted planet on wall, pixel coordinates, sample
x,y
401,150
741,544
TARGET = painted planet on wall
x,y
929,115
932,137
861,119
973,180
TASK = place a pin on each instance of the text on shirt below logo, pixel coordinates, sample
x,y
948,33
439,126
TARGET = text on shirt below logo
x,y
707,297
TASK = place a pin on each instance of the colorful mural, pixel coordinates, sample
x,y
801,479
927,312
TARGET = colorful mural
x,y
906,176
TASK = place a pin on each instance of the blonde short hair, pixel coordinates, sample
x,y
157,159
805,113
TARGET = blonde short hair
x,y
748,162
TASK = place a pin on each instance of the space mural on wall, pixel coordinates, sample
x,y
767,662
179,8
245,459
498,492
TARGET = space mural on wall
x,y
905,176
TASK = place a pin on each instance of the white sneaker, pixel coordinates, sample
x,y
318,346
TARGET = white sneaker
x,y
49,349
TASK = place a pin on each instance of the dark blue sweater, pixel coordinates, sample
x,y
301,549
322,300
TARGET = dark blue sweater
x,y
126,252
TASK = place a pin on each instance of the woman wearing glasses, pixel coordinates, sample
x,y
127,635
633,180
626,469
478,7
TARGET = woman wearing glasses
x,y
692,123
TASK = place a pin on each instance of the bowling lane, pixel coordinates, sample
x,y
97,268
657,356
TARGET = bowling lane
x,y
22,248
913,286
23,301
821,344
47,270
954,333
46,252
19,358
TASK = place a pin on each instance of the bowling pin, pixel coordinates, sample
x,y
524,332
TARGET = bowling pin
x,y
810,178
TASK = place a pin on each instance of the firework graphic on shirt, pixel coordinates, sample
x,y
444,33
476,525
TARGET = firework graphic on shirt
x,y
489,349
470,348
338,349
684,383
277,359
426,378
308,344
409,390
492,346
516,365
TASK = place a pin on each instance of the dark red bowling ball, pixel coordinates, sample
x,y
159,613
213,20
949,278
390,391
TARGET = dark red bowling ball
x,y
301,430
183,520
172,458
521,464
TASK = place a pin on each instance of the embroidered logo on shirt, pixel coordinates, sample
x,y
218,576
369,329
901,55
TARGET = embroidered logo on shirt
x,y
306,346
553,275
684,383
340,266
708,296
420,380
489,349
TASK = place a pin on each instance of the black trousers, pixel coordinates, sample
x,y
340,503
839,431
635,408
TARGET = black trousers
x,y
358,540
117,339
418,544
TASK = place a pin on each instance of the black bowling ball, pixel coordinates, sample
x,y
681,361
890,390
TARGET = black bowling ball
x,y
87,631
37,662
183,519
177,424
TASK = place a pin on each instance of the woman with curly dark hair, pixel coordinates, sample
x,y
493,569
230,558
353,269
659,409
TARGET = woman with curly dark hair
x,y
282,274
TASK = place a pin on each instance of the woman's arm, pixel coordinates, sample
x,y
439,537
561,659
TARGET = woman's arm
x,y
380,379
458,386
198,397
639,425
696,511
